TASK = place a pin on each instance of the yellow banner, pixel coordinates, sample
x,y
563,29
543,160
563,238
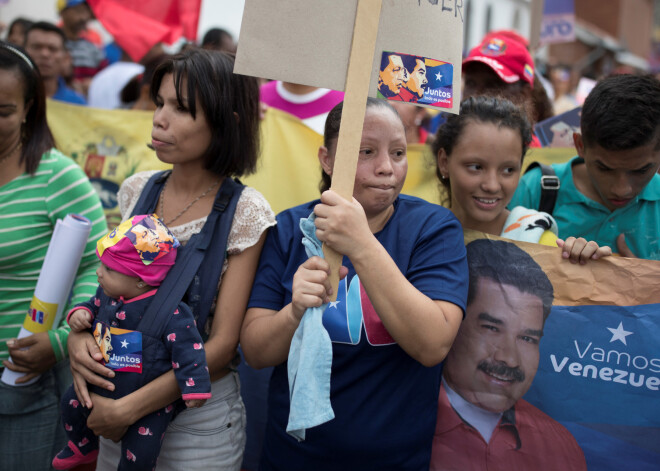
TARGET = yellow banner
x,y
40,316
110,145
288,172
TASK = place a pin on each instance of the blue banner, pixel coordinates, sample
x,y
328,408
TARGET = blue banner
x,y
555,366
599,375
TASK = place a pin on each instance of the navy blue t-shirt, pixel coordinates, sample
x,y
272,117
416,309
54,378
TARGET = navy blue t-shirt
x,y
385,402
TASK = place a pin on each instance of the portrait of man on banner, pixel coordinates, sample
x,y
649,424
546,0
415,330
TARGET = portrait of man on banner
x,y
483,422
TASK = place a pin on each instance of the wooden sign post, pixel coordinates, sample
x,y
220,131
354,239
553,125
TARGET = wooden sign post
x,y
365,33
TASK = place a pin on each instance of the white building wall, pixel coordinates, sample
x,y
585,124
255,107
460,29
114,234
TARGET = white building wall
x,y
488,15
36,10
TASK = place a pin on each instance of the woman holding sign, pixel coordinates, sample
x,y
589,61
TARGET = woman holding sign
x,y
396,315
206,125
38,186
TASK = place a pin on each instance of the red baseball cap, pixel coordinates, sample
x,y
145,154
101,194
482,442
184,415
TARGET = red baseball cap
x,y
508,58
508,33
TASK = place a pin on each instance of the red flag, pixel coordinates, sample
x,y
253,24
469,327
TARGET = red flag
x,y
138,25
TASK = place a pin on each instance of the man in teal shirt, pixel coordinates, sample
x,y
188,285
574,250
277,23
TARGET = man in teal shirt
x,y
610,192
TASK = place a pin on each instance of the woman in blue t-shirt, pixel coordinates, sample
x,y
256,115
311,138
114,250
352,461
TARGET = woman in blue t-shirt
x,y
397,311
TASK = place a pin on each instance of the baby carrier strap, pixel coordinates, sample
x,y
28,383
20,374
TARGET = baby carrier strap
x,y
202,257
148,199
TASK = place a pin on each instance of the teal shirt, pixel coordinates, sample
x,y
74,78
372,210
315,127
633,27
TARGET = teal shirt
x,y
580,216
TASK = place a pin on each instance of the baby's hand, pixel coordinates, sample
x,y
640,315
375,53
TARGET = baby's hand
x,y
80,320
192,403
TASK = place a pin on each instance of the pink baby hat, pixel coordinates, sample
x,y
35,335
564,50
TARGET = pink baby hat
x,y
141,246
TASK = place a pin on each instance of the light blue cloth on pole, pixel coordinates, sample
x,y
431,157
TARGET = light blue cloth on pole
x,y
310,358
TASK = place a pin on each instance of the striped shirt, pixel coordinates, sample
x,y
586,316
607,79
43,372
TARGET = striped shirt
x,y
30,205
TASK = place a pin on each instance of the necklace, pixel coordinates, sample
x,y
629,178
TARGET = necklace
x,y
162,201
11,152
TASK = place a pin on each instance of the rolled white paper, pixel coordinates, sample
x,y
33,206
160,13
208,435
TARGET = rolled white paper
x,y
55,281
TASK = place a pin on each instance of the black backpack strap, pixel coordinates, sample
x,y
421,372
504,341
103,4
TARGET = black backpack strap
x,y
204,254
549,186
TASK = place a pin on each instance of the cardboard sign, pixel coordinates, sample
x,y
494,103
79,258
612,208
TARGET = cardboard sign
x,y
330,44
309,42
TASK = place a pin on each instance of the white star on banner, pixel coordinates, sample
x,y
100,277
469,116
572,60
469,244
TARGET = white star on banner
x,y
124,344
438,76
619,334
334,304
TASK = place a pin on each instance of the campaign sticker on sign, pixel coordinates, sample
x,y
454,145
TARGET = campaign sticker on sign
x,y
415,79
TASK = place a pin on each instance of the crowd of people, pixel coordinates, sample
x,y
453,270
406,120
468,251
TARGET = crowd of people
x,y
434,343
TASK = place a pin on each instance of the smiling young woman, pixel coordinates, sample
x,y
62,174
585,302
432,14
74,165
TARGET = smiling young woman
x,y
479,154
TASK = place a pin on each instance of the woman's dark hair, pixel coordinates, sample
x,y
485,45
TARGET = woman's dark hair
x,y
209,78
131,91
543,107
36,137
23,23
331,131
479,109
213,38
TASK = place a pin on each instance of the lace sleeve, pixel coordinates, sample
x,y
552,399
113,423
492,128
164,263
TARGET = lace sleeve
x,y
252,217
130,192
